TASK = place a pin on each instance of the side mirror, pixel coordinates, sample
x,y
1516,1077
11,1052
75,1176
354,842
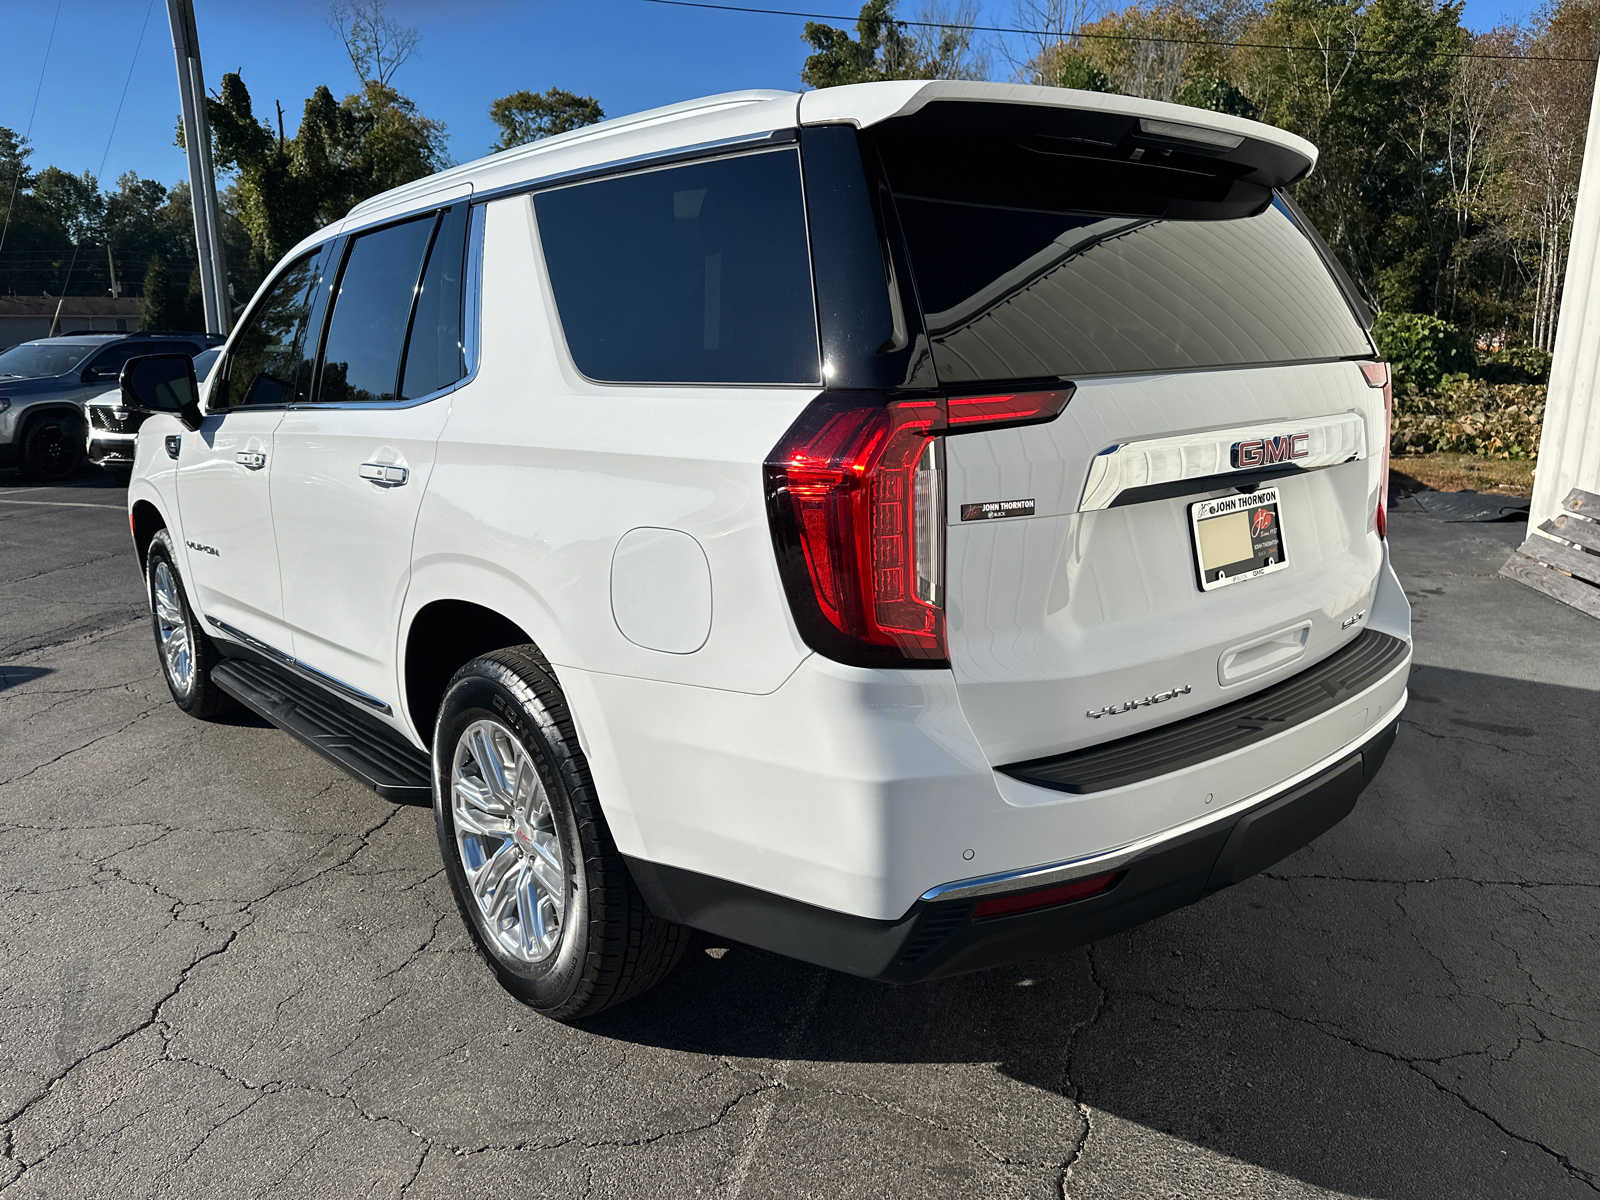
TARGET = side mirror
x,y
162,383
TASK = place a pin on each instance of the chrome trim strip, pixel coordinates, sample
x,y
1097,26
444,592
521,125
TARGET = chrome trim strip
x,y
1110,860
343,688
254,643
657,158
310,672
1330,440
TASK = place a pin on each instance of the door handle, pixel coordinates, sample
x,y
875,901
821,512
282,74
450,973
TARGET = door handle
x,y
254,459
386,474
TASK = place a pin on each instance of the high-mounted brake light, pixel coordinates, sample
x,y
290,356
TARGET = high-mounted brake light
x,y
1379,375
856,496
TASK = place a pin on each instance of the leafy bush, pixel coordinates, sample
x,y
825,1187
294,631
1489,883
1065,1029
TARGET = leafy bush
x,y
1472,416
1516,364
1422,349
1215,93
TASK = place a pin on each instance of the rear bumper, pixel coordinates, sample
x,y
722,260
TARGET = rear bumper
x,y
940,936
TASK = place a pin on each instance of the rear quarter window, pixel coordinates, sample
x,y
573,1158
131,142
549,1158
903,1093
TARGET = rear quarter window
x,y
690,274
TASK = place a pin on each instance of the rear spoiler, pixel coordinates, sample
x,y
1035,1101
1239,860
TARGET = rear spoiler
x,y
1258,154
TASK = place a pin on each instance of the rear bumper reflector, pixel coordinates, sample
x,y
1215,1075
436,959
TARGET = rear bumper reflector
x,y
1207,735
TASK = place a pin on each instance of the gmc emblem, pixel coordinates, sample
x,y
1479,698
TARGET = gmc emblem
x,y
1263,452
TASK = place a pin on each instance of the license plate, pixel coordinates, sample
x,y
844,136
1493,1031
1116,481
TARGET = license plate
x,y
1237,538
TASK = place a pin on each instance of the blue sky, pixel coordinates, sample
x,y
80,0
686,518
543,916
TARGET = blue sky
x,y
629,54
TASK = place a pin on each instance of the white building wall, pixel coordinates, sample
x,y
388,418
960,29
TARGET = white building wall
x,y
1569,448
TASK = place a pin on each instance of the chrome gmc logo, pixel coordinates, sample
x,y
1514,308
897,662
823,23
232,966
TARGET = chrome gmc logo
x,y
1263,452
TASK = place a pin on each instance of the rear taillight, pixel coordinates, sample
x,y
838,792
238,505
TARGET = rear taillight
x,y
1378,375
856,495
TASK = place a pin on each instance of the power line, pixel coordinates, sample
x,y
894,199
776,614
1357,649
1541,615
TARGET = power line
x,y
1063,35
17,178
117,116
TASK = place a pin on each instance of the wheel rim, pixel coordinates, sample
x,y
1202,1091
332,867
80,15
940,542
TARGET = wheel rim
x,y
506,836
51,447
172,627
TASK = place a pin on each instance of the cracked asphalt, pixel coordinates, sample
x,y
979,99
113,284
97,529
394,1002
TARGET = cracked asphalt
x,y
231,971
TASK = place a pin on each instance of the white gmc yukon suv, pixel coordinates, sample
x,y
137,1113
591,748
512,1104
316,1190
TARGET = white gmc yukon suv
x,y
910,527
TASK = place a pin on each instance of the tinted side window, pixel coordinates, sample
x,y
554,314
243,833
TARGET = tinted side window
x,y
434,356
693,274
371,311
268,363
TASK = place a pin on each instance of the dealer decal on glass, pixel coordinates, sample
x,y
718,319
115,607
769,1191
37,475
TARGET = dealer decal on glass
x,y
1237,538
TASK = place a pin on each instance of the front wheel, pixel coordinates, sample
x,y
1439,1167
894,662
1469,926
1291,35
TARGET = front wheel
x,y
187,655
52,447
535,872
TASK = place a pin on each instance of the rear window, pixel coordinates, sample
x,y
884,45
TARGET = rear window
x,y
1011,289
691,274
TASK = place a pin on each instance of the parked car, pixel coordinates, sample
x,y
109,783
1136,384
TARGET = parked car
x,y
113,428
911,527
45,385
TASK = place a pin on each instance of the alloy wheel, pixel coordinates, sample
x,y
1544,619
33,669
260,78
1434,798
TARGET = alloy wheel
x,y
172,626
506,836
50,449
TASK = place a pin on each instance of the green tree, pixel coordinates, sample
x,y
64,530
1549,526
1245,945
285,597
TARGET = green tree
x,y
1368,82
157,310
526,116
343,153
1215,93
1075,69
885,48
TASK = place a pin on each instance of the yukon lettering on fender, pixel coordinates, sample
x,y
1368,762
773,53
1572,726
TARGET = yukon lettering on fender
x,y
1112,710
1264,452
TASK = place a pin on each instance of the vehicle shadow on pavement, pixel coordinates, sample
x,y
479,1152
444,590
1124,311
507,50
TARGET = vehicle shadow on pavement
x,y
1403,1009
11,674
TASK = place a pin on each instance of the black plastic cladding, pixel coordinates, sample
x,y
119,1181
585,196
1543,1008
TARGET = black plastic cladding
x,y
867,312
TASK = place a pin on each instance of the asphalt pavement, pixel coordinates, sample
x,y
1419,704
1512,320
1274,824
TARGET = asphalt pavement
x,y
227,970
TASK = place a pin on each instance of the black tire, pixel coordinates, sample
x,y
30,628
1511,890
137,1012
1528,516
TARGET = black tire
x,y
609,947
51,447
196,694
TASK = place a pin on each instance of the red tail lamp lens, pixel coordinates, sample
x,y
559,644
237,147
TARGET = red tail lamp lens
x,y
1016,408
1379,375
1081,889
855,492
864,494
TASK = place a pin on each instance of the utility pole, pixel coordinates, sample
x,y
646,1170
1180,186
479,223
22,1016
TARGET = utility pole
x,y
202,179
116,288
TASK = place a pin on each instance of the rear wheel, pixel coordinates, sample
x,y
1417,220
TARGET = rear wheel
x,y
51,447
187,655
537,877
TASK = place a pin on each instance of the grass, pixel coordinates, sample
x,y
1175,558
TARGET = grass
x,y
1461,473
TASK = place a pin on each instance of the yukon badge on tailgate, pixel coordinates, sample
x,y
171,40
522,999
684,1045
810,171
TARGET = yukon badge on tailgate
x,y
1112,710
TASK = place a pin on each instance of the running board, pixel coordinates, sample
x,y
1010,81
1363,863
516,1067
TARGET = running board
x,y
366,750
